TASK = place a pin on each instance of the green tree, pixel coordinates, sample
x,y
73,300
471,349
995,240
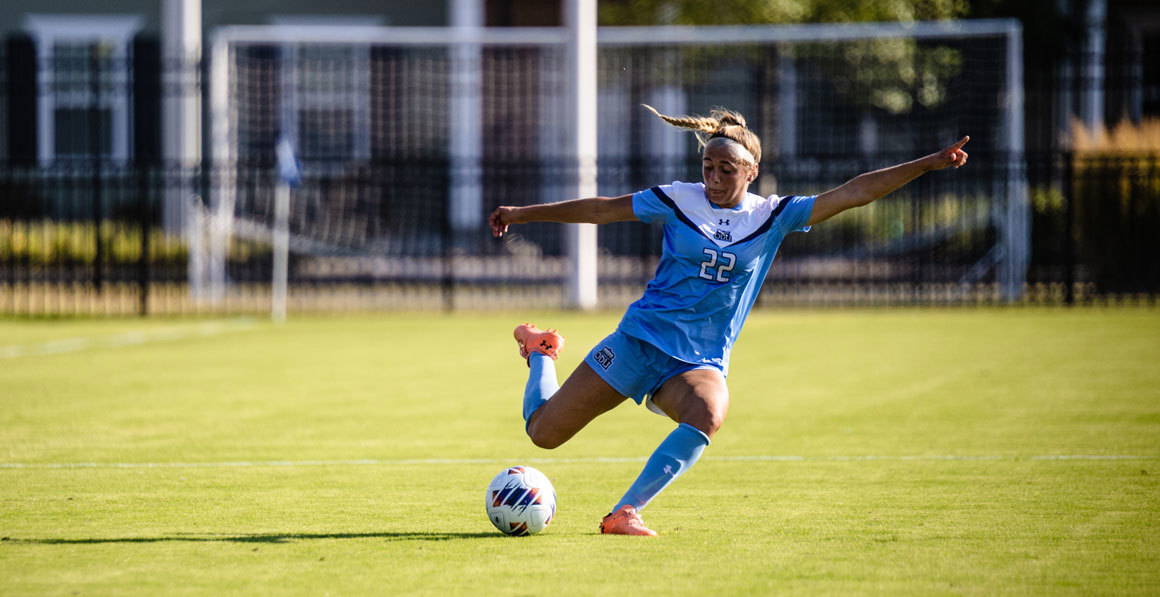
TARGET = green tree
x,y
894,75
757,12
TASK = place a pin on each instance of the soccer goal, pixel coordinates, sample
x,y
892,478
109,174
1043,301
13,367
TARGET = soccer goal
x,y
408,138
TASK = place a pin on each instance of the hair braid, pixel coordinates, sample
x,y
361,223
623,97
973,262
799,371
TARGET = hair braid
x,y
700,124
719,123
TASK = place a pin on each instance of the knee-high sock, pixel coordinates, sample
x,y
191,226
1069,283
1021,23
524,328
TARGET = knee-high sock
x,y
674,456
541,383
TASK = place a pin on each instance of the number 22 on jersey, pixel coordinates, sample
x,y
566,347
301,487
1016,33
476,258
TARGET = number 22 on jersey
x,y
717,267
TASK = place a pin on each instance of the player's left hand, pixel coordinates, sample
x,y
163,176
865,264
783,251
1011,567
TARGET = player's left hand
x,y
951,156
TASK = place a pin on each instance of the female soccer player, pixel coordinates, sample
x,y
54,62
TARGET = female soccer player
x,y
671,349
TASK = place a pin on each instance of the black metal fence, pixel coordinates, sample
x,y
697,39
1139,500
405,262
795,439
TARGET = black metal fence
x,y
82,239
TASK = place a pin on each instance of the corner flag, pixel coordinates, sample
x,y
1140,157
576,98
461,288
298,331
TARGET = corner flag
x,y
289,170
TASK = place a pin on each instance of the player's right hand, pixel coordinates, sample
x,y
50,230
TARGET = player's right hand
x,y
500,219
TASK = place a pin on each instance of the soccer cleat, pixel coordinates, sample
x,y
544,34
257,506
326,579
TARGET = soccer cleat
x,y
625,521
532,339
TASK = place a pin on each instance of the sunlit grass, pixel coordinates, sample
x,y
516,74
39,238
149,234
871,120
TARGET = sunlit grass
x,y
1005,451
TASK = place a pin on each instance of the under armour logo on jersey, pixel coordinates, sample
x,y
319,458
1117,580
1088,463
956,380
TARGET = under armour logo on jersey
x,y
722,222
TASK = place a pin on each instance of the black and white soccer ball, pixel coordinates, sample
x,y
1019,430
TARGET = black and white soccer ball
x,y
520,501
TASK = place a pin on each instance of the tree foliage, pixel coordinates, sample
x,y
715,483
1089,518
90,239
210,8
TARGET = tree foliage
x,y
756,12
894,75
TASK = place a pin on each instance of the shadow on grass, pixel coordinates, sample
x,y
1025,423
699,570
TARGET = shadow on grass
x,y
262,538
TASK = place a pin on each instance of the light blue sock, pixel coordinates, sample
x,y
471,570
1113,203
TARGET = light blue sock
x,y
541,384
674,456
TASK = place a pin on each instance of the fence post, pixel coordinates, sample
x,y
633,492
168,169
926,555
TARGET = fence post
x,y
95,161
281,252
143,261
1068,229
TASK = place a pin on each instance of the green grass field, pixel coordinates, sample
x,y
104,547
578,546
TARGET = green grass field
x,y
991,451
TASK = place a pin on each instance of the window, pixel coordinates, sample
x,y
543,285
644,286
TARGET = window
x,y
326,91
83,82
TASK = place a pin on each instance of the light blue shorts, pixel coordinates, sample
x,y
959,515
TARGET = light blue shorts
x,y
636,368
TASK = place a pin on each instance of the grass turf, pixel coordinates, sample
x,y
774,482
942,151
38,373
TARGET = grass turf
x,y
914,452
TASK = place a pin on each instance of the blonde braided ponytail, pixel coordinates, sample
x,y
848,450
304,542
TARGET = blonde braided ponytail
x,y
719,123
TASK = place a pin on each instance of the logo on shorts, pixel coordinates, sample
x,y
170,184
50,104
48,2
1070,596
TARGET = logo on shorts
x,y
604,357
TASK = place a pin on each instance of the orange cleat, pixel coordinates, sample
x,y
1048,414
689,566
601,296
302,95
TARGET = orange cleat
x,y
532,339
625,521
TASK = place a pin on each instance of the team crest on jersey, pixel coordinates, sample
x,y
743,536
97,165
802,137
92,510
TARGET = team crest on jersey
x,y
604,357
723,235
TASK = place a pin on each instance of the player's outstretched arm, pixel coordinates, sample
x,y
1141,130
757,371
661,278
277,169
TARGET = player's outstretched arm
x,y
865,188
595,210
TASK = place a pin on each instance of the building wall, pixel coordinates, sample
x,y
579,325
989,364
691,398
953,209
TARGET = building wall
x,y
18,71
226,12
259,12
12,13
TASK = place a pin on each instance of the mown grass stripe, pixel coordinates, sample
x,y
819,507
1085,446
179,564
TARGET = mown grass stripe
x,y
126,339
594,460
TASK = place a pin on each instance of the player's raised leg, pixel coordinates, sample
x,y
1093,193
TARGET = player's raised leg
x,y
532,339
539,349
583,397
698,401
554,414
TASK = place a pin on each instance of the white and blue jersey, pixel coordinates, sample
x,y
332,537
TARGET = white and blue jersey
x,y
713,263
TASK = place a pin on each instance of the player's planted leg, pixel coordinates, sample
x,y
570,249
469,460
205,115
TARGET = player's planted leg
x,y
676,454
697,400
625,521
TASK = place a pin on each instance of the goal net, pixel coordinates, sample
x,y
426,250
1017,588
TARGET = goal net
x,y
409,137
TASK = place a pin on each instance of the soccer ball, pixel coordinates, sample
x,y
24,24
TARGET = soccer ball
x,y
520,501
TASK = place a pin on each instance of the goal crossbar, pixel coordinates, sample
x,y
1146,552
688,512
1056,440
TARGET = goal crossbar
x,y
662,35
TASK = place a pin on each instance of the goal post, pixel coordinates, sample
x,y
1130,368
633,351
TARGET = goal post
x,y
581,238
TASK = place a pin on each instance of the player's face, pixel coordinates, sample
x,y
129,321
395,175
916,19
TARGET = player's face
x,y
727,171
